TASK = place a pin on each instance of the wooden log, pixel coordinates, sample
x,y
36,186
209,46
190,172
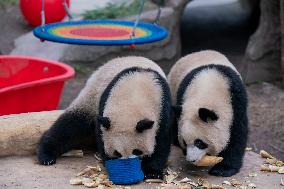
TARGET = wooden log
x,y
20,133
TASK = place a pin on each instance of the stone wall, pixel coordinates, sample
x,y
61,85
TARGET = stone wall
x,y
263,53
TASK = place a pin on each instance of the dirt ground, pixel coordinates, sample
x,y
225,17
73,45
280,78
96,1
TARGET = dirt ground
x,y
25,172
266,101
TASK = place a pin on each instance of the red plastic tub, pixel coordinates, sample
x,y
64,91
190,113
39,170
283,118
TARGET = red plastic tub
x,y
29,84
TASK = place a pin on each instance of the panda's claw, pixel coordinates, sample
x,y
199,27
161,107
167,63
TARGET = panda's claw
x,y
46,160
154,176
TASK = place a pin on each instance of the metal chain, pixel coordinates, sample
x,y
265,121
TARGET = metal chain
x,y
65,5
160,3
157,19
132,34
42,15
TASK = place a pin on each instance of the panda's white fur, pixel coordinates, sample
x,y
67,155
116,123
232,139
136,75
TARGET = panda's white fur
x,y
189,62
206,83
209,89
126,106
143,101
90,95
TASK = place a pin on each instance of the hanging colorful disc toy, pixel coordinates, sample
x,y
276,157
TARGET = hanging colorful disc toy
x,y
101,32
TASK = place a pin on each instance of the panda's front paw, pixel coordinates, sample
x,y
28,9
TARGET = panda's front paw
x,y
45,159
154,175
223,171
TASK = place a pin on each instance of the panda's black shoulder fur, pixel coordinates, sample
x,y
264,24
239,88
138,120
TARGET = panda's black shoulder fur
x,y
157,162
234,151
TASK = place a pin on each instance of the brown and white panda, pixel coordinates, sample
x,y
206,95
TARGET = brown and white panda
x,y
210,102
126,107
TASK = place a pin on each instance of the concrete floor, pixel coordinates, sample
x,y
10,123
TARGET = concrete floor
x,y
24,172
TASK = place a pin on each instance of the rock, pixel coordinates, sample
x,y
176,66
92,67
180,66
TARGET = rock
x,y
262,58
23,172
20,133
29,45
165,52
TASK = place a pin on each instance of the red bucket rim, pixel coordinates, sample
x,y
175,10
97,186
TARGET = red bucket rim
x,y
67,75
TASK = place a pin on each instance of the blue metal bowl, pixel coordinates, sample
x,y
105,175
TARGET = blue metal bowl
x,y
125,171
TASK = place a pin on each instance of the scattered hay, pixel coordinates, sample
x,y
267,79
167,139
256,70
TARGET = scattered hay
x,y
271,164
92,177
265,154
95,177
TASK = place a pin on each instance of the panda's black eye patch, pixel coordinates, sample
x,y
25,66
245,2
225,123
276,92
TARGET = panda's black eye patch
x,y
206,115
200,144
144,125
104,121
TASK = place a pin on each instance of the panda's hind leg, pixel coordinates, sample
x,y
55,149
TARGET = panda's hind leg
x,y
69,131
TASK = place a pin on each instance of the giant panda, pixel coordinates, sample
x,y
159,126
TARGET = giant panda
x,y
126,106
210,103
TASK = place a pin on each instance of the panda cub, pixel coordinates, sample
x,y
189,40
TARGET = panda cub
x,y
211,110
124,110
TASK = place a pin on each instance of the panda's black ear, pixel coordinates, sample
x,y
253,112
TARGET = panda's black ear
x,y
104,121
177,110
206,115
143,125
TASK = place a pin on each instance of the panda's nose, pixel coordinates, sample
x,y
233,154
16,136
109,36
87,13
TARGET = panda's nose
x,y
200,144
137,152
117,154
